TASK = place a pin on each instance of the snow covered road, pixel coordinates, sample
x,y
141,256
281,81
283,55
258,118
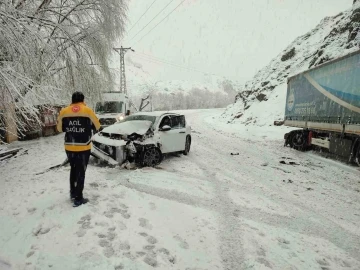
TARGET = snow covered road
x,y
208,210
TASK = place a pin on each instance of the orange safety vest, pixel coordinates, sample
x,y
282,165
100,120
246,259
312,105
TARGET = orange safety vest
x,y
77,121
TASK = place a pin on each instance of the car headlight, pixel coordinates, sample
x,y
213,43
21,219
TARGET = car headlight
x,y
120,117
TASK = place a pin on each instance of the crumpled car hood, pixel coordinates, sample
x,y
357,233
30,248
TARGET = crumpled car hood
x,y
127,128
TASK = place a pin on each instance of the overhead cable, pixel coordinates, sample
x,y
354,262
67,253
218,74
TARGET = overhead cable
x,y
151,20
142,16
160,22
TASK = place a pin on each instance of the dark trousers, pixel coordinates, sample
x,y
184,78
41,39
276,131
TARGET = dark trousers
x,y
78,162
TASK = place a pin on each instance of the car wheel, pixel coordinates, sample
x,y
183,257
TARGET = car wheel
x,y
357,155
152,157
187,145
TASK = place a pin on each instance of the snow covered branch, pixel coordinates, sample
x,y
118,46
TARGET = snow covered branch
x,y
46,47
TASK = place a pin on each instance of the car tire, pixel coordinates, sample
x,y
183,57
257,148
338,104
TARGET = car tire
x,y
187,145
152,156
357,154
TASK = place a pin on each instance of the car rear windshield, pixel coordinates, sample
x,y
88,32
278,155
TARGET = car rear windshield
x,y
140,118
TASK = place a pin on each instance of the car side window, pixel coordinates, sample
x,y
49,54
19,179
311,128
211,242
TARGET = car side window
x,y
178,121
166,121
174,122
182,121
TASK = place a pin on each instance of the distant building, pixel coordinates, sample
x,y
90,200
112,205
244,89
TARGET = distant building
x,y
17,123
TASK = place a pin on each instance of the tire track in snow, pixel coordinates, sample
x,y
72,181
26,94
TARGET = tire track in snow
x,y
231,246
210,152
308,221
230,216
171,195
192,200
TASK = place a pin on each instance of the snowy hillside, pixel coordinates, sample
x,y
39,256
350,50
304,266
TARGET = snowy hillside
x,y
140,79
263,98
213,92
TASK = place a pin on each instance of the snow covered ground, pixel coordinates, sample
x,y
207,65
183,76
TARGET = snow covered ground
x,y
208,210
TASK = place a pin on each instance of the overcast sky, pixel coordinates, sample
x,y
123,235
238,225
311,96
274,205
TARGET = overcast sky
x,y
229,38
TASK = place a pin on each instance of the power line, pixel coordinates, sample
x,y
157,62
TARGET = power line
x,y
158,58
160,22
156,61
142,16
171,64
152,19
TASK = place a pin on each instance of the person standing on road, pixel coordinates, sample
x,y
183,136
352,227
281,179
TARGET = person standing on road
x,y
78,122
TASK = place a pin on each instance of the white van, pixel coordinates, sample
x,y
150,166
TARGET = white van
x,y
113,107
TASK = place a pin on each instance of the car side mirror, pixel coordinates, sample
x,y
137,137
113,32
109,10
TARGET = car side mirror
x,y
165,128
127,112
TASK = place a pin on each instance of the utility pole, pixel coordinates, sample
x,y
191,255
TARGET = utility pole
x,y
121,51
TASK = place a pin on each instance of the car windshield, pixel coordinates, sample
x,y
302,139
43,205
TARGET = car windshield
x,y
141,117
109,107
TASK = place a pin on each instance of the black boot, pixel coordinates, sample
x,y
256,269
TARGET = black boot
x,y
80,202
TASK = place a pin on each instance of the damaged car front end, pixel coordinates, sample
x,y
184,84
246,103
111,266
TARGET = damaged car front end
x,y
130,141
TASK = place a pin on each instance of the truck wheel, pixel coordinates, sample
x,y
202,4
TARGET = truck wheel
x,y
298,140
152,156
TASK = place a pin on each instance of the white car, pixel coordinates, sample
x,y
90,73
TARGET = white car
x,y
143,138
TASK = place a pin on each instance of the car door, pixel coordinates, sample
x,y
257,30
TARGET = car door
x,y
179,132
166,137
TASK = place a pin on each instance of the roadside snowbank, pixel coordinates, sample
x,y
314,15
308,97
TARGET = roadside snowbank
x,y
258,113
257,121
